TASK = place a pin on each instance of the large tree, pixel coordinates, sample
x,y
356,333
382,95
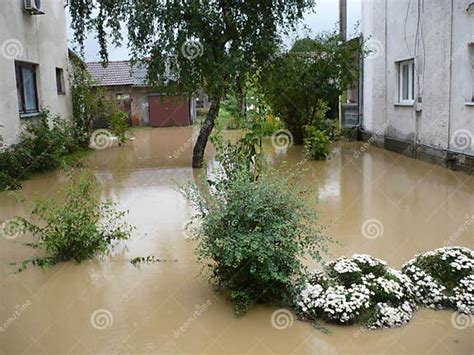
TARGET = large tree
x,y
192,44
314,70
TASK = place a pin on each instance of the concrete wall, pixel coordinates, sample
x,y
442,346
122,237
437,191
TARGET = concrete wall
x,y
443,74
41,40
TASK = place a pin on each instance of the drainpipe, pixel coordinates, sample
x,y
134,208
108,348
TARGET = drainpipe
x,y
450,77
343,33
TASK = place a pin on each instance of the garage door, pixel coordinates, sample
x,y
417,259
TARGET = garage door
x,y
168,111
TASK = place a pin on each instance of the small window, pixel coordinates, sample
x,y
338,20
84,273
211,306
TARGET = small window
x,y
407,82
26,88
121,96
60,81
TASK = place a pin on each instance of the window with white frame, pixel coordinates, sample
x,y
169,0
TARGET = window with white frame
x,y
406,72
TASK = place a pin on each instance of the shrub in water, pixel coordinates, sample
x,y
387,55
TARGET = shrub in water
x,y
42,146
255,232
317,144
361,288
77,227
444,278
118,124
316,141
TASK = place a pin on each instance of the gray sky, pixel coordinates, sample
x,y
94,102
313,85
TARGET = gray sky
x,y
324,18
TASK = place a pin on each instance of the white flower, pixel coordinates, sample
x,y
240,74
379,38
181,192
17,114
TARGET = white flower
x,y
343,265
387,316
433,293
463,295
368,259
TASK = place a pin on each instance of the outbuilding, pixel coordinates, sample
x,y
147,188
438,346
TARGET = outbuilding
x,y
126,83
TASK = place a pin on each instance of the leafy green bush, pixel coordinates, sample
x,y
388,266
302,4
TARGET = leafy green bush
x,y
227,120
253,233
444,278
118,124
314,69
317,144
76,227
230,114
87,102
42,146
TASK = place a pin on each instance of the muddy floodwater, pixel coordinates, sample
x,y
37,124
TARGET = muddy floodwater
x,y
109,306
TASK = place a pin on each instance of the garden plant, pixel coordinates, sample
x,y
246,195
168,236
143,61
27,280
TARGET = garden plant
x,y
443,278
364,289
255,227
314,70
76,227
44,144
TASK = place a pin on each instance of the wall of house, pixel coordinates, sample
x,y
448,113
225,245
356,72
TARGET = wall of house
x,y
437,36
41,40
462,114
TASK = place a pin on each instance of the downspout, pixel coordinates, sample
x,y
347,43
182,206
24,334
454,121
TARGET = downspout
x,y
450,76
343,33
360,88
385,72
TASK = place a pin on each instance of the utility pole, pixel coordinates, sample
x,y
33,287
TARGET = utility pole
x,y
343,19
343,33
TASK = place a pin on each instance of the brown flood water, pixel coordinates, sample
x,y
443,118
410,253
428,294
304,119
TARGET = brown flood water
x,y
170,307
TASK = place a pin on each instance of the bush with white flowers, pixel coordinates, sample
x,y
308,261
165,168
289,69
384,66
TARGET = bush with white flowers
x,y
443,278
361,288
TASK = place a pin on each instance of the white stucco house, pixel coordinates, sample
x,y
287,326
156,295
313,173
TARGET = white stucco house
x,y
418,80
33,63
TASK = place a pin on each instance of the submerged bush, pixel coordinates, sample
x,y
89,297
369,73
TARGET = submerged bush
x,y
76,227
357,289
444,278
118,124
316,141
253,234
42,145
317,144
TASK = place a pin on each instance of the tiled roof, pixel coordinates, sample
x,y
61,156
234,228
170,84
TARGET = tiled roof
x,y
117,73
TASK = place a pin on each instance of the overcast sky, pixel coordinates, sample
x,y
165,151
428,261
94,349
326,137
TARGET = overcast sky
x,y
324,18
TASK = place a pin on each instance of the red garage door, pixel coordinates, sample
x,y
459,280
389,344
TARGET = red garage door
x,y
167,111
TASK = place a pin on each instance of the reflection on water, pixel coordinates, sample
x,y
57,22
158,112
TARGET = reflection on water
x,y
170,307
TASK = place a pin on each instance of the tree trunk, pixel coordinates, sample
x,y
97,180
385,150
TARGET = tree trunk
x,y
204,133
298,136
